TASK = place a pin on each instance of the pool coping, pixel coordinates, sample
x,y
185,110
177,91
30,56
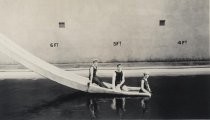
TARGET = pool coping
x,y
23,73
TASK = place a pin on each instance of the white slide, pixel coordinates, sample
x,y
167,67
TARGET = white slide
x,y
52,72
40,66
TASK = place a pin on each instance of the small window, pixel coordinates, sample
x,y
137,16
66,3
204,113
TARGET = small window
x,y
61,24
162,22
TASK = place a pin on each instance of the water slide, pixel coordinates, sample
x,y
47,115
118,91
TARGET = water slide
x,y
54,73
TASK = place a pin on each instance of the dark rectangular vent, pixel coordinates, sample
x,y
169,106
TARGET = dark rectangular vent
x,y
61,24
162,22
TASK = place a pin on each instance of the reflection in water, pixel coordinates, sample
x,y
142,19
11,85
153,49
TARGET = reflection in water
x,y
76,105
70,105
118,104
92,105
47,100
144,102
60,100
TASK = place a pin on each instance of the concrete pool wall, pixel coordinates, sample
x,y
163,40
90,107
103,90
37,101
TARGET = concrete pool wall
x,y
119,30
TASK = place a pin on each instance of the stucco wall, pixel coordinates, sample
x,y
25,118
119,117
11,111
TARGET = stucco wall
x,y
91,27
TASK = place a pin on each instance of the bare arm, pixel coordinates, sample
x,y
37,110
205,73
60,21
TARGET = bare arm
x,y
123,80
91,75
113,81
142,87
148,87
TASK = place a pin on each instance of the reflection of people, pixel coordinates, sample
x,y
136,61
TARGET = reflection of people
x,y
93,77
118,104
93,107
118,79
144,84
144,103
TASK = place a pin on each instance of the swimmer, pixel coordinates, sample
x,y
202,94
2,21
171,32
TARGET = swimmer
x,y
144,84
93,77
118,79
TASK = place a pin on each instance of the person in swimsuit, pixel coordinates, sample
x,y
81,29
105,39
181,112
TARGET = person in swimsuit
x,y
118,79
93,76
144,84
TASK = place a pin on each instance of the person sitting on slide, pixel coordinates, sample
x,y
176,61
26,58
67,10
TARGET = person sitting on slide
x,y
118,79
144,84
93,77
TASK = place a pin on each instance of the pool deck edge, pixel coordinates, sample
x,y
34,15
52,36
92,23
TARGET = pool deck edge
x,y
23,73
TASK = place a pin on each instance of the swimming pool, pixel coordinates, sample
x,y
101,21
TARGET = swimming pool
x,y
173,97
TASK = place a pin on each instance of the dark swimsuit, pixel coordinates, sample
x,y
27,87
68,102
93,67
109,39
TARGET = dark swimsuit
x,y
118,78
94,72
96,79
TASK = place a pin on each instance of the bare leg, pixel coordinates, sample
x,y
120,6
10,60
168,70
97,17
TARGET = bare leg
x,y
145,91
99,82
133,88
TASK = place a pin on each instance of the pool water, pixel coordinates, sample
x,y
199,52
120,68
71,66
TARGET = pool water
x,y
173,97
